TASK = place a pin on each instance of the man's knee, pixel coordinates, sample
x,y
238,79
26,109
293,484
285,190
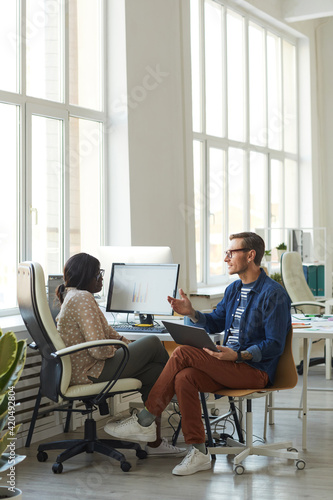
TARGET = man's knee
x,y
186,377
184,350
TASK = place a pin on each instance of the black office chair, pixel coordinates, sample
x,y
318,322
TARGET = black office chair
x,y
55,376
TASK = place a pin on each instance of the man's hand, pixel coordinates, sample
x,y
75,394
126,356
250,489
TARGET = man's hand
x,y
183,305
225,354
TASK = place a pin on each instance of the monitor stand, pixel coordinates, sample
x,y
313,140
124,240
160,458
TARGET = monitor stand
x,y
146,319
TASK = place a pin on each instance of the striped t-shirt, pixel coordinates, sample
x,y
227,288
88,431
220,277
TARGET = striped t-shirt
x,y
233,337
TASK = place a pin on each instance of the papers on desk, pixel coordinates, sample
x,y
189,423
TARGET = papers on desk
x,y
300,321
315,323
301,325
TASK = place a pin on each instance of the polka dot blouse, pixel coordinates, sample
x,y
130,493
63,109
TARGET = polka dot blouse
x,y
81,320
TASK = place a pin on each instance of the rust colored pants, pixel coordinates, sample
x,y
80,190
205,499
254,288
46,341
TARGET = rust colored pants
x,y
190,371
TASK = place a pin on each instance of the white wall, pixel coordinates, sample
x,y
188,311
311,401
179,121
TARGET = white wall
x,y
324,40
158,131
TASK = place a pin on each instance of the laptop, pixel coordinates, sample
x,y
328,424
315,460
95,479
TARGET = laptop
x,y
190,335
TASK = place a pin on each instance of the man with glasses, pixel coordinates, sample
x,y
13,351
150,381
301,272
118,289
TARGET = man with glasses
x,y
255,317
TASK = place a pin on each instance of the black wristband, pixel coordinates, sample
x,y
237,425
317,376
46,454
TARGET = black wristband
x,y
239,357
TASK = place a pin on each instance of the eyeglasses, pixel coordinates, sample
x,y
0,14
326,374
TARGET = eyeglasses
x,y
100,274
229,253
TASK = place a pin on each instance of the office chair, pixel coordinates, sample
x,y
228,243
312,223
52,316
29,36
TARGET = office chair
x,y
55,376
285,378
303,299
209,420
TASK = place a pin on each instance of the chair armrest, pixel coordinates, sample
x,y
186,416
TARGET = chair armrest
x,y
101,397
328,306
308,303
88,345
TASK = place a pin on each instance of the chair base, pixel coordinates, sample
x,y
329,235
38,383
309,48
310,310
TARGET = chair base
x,y
312,362
89,444
215,420
209,420
277,450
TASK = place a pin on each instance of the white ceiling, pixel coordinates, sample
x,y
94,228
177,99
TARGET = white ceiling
x,y
302,10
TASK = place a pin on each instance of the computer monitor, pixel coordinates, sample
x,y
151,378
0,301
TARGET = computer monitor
x,y
142,289
53,281
108,255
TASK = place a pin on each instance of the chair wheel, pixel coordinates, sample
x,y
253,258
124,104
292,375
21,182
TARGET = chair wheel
x,y
141,454
215,412
125,466
300,464
42,456
239,469
57,468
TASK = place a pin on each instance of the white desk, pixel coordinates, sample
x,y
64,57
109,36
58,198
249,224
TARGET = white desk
x,y
164,337
313,334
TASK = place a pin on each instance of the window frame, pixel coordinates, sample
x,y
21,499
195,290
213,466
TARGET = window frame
x,y
29,106
226,143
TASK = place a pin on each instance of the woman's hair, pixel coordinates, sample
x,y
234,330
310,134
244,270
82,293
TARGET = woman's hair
x,y
79,270
252,241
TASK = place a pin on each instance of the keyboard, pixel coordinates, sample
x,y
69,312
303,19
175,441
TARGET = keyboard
x,y
126,327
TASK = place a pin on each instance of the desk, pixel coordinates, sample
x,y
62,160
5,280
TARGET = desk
x,y
306,334
164,337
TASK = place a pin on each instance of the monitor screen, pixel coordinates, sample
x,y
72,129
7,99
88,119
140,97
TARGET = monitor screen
x,y
142,288
107,255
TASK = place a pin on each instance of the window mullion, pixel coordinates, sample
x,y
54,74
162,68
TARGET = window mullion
x,y
224,74
27,254
65,195
203,67
247,83
205,218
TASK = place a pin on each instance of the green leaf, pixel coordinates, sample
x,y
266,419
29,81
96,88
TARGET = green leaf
x,y
8,350
4,461
3,411
15,369
3,419
3,403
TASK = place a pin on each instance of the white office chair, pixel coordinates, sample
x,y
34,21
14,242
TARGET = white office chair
x,y
303,299
285,378
55,376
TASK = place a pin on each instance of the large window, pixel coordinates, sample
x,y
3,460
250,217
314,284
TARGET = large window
x,y
244,101
51,133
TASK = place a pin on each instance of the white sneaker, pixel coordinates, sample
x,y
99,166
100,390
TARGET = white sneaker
x,y
131,429
194,461
165,449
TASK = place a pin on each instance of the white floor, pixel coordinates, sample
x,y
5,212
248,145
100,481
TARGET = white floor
x,y
97,477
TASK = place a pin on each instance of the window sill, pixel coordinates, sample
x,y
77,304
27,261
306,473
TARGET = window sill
x,y
210,292
12,323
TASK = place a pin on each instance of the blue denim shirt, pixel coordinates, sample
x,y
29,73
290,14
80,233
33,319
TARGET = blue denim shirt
x,y
264,324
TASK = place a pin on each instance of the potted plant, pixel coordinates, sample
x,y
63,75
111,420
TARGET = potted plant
x,y
280,249
12,355
268,255
277,277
